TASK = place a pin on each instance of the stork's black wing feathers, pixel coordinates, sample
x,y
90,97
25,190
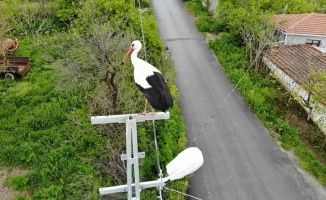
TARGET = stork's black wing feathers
x,y
159,95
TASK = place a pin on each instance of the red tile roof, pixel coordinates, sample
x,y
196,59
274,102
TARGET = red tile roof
x,y
293,60
309,23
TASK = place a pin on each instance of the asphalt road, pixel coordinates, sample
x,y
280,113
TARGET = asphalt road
x,y
241,161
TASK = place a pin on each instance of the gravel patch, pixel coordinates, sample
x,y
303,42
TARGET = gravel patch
x,y
6,191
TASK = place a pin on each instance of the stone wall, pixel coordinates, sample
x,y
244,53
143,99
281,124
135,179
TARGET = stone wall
x,y
210,4
318,114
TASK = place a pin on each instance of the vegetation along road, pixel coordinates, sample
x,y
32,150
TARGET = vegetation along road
x,y
241,159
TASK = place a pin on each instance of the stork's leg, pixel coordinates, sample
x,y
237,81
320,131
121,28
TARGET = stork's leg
x,y
153,113
144,113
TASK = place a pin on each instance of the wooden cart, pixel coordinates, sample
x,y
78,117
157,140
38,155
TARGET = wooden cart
x,y
14,66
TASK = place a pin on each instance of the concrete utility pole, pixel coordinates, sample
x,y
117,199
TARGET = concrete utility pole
x,y
132,156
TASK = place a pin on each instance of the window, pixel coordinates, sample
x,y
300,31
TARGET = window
x,y
313,42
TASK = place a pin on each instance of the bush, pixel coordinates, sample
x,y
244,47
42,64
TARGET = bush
x,y
208,24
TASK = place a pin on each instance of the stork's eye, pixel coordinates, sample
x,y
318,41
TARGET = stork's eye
x,y
133,45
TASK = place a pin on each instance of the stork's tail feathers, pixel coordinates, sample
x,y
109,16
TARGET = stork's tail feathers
x,y
167,98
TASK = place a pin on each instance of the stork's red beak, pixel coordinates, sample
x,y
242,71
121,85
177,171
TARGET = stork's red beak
x,y
128,54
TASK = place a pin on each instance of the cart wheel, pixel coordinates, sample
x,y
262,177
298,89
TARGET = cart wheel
x,y
10,76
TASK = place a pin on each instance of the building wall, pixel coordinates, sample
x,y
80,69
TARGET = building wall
x,y
319,110
302,39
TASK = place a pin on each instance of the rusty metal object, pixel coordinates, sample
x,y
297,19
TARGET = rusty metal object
x,y
14,66
10,45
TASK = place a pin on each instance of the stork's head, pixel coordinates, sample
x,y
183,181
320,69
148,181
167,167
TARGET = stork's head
x,y
135,46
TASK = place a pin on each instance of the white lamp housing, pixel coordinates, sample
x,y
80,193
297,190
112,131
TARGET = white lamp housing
x,y
185,163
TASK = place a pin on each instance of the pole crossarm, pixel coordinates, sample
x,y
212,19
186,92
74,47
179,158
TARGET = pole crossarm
x,y
123,188
123,118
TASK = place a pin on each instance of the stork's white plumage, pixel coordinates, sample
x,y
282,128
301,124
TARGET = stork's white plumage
x,y
149,80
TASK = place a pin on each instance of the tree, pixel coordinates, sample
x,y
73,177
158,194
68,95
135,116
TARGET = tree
x,y
94,65
33,19
89,61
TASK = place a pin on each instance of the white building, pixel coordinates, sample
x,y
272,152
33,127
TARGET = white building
x,y
309,28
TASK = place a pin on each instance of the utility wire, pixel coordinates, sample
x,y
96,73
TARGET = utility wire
x,y
236,86
159,170
182,193
142,28
223,102
210,119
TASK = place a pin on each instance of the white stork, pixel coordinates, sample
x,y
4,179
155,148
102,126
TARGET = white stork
x,y
150,81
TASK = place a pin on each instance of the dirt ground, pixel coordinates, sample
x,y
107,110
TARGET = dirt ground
x,y
6,191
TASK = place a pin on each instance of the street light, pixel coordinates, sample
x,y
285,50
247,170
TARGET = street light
x,y
185,163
